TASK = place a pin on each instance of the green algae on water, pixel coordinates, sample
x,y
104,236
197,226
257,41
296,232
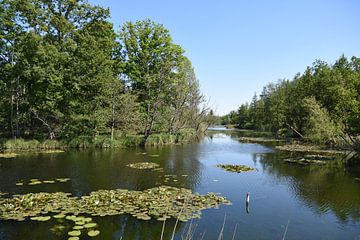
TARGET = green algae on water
x,y
235,168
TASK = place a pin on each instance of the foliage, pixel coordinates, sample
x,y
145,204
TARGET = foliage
x,y
67,75
322,104
319,127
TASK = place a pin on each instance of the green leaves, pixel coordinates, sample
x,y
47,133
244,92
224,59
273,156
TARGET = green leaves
x,y
66,73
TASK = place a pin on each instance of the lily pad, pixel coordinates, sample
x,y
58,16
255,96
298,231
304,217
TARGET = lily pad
x,y
93,233
59,216
143,165
41,218
90,225
77,227
73,238
48,181
235,168
150,203
74,233
34,183
63,180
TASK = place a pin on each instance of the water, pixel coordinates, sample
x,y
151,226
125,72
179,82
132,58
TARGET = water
x,y
317,202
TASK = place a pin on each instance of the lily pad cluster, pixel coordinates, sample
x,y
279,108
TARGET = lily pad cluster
x,y
143,165
307,149
235,168
310,159
36,181
82,224
303,161
158,203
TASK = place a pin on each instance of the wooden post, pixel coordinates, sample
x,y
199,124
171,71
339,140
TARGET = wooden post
x,y
248,202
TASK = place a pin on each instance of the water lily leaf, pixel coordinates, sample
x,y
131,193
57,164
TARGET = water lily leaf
x,y
41,218
34,183
59,216
74,233
77,227
93,233
143,165
73,238
48,181
90,225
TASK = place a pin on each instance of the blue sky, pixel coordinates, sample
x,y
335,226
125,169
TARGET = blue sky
x,y
237,47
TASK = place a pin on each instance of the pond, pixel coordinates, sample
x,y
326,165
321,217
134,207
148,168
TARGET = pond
x,y
301,202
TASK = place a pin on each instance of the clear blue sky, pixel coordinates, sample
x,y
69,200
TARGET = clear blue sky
x,y
237,47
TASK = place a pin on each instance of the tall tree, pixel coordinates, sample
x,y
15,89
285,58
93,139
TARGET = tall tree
x,y
152,60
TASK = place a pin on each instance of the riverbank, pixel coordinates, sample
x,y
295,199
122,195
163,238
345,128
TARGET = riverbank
x,y
126,141
292,144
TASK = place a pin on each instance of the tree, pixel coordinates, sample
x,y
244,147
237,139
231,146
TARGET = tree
x,y
320,128
152,60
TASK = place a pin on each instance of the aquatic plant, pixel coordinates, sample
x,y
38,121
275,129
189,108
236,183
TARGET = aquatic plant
x,y
307,148
235,168
93,233
143,165
36,181
159,203
259,139
310,159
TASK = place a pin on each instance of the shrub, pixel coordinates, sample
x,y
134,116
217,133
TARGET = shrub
x,y
80,142
51,144
21,144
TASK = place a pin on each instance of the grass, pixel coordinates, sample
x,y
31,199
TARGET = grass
x,y
182,137
102,141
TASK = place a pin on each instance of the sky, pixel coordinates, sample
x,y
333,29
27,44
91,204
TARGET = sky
x,y
237,47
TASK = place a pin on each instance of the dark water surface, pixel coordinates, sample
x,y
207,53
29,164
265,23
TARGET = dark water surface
x,y
318,202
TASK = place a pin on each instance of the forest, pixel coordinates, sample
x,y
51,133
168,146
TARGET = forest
x,y
68,74
320,106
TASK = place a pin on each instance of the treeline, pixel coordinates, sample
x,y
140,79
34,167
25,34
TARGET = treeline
x,y
65,73
322,105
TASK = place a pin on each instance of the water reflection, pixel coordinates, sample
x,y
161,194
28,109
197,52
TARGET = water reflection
x,y
326,188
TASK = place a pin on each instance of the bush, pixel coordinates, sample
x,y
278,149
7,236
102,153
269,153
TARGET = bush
x,y
186,135
130,141
51,144
159,139
80,142
21,144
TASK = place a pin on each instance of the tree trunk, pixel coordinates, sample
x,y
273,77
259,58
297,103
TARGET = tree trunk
x,y
51,132
112,121
12,116
17,108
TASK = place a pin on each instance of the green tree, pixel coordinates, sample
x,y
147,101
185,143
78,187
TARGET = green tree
x,y
152,60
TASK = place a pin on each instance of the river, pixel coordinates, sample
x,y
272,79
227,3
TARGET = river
x,y
301,202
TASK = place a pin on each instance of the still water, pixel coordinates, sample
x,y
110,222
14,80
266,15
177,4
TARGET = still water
x,y
306,202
